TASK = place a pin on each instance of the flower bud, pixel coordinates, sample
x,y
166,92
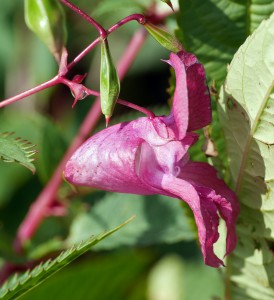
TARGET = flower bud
x,y
164,38
47,20
109,81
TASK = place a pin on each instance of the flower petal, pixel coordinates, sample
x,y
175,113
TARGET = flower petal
x,y
179,115
104,159
107,160
204,177
152,174
204,213
199,104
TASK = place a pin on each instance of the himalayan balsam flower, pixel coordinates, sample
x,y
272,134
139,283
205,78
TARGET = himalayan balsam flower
x,y
149,156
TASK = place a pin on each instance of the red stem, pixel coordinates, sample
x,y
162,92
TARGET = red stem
x,y
40,87
36,213
145,111
83,53
135,17
55,80
103,33
141,19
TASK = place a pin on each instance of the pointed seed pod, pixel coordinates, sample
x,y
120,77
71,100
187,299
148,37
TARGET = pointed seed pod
x,y
46,19
164,38
168,2
109,81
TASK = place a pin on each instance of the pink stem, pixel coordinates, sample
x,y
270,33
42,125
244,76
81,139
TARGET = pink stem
x,y
136,17
44,85
103,33
83,53
36,213
141,19
145,111
55,80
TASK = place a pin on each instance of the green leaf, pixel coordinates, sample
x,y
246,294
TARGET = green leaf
x,y
246,112
36,128
159,219
20,284
214,29
16,150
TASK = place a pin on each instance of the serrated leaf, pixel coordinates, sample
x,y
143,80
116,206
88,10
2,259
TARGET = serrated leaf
x,y
20,284
246,112
16,150
214,29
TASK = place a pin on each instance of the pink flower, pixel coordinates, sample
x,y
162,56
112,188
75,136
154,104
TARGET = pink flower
x,y
149,156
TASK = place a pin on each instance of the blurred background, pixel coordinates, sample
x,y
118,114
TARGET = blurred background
x,y
156,256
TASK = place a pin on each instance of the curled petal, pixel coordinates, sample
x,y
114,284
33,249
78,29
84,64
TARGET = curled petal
x,y
205,215
204,210
199,105
179,116
204,177
155,160
211,219
191,108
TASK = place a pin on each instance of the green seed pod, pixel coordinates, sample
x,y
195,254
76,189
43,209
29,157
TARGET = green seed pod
x,y
47,20
109,81
164,38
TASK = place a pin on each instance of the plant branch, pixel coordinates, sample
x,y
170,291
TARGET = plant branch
x,y
135,17
56,80
103,33
40,87
141,19
145,111
36,213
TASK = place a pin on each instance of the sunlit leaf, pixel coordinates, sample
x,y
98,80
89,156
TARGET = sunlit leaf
x,y
246,112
